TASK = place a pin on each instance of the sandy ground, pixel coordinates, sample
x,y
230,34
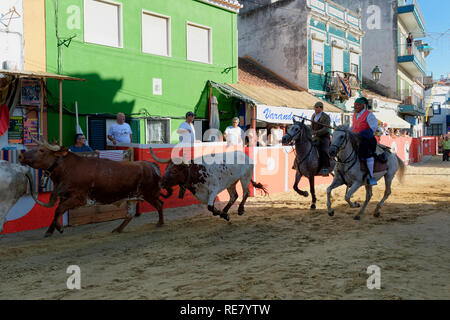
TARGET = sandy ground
x,y
278,250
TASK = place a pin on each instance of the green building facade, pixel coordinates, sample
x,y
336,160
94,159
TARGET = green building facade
x,y
150,59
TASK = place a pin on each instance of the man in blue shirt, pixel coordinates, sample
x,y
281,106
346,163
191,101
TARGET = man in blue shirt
x,y
80,144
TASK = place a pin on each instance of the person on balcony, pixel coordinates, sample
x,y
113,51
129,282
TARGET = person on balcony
x,y
365,124
409,42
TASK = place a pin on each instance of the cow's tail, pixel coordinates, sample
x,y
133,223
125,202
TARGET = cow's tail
x,y
259,186
53,198
401,169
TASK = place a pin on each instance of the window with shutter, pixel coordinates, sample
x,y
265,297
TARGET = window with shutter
x,y
97,133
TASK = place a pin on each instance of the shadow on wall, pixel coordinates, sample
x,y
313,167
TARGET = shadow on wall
x,y
99,98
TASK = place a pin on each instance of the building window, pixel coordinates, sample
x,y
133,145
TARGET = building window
x,y
103,22
155,34
317,56
158,131
337,59
354,63
436,108
198,43
434,130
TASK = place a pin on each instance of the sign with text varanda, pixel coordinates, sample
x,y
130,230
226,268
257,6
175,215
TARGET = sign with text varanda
x,y
285,115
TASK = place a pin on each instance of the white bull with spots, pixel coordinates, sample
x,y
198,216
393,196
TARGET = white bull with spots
x,y
206,179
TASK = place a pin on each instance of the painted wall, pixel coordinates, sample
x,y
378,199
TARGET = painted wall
x,y
439,95
120,79
11,35
379,45
34,35
276,36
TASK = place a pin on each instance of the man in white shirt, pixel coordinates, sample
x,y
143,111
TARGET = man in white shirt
x,y
186,130
234,134
276,135
120,131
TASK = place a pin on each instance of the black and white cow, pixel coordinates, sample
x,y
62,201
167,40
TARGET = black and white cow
x,y
206,181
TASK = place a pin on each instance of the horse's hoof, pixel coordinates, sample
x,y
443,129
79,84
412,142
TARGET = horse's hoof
x,y
48,235
116,230
160,224
241,212
331,212
357,218
313,207
355,205
305,194
376,215
225,216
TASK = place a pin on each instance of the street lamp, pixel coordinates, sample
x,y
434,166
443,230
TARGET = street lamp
x,y
376,74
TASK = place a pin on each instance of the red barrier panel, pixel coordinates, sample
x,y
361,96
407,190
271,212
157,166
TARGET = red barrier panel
x,y
33,216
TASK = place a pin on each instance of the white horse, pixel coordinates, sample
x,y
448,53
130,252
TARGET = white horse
x,y
345,145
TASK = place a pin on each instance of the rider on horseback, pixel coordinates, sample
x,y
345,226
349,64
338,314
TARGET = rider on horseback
x,y
365,124
321,135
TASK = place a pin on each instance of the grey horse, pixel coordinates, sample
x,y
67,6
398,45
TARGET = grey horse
x,y
345,145
307,158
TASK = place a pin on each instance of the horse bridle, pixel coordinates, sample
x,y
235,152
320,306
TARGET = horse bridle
x,y
348,160
293,138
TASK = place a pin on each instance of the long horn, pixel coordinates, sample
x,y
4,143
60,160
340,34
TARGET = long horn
x,y
36,141
53,198
158,159
51,147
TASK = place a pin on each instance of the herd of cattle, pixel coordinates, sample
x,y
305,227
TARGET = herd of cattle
x,y
80,181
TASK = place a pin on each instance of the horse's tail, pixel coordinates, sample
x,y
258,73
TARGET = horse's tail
x,y
401,169
259,186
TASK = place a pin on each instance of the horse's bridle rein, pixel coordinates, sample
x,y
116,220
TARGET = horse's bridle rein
x,y
353,153
294,138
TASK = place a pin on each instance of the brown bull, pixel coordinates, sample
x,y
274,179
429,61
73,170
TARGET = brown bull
x,y
80,181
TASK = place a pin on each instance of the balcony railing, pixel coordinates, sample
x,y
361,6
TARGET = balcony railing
x,y
408,97
405,50
416,5
340,85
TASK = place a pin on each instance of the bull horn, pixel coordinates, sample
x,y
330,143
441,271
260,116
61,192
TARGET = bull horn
x,y
36,141
51,147
158,159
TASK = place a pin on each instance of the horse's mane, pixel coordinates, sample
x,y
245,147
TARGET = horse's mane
x,y
354,138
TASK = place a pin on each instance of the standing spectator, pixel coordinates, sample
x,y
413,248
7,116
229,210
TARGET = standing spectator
x,y
409,42
445,149
234,134
276,135
186,129
120,131
80,144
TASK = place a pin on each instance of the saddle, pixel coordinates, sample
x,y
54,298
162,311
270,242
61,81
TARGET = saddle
x,y
381,158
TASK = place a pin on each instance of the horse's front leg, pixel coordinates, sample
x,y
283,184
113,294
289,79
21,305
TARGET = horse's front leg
x,y
313,192
298,176
336,183
355,186
368,197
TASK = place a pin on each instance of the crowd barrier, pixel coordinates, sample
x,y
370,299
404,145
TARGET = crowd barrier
x,y
273,168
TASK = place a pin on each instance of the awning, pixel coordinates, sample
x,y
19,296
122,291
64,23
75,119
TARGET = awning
x,y
39,75
390,117
273,96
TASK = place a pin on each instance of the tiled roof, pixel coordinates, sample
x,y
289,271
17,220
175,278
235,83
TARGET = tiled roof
x,y
263,85
232,5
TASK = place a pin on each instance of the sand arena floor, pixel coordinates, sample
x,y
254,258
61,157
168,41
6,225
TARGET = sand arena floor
x,y
278,250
